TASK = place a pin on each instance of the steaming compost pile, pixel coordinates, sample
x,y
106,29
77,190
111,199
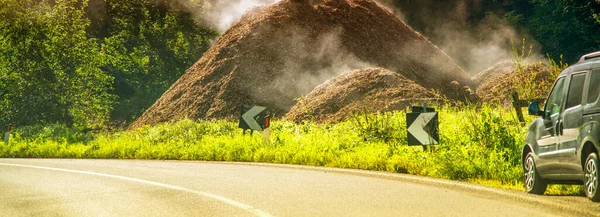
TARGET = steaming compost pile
x,y
360,91
500,69
496,84
280,52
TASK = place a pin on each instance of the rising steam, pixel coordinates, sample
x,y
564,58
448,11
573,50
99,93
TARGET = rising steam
x,y
473,46
476,48
223,14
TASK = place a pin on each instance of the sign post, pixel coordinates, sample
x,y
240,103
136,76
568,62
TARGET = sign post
x,y
7,136
520,103
422,126
255,118
266,134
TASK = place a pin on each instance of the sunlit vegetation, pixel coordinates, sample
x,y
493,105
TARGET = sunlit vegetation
x,y
480,145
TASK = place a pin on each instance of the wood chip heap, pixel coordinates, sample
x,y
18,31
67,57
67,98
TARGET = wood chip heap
x,y
280,52
360,91
496,84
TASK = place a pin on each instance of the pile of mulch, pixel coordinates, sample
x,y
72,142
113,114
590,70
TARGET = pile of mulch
x,y
361,91
496,84
493,72
280,52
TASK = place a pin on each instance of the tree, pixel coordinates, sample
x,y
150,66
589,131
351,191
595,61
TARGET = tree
x,y
566,27
49,69
62,61
147,46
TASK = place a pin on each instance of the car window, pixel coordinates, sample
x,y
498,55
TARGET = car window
x,y
594,87
555,99
575,90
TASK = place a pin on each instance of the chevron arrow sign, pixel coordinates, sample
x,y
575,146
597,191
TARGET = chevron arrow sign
x,y
253,118
422,128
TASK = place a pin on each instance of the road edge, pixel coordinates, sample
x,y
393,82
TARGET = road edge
x,y
560,208
551,205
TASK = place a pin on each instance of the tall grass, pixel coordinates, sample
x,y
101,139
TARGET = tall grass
x,y
475,144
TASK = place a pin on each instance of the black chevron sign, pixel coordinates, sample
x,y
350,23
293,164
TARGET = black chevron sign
x,y
422,128
253,118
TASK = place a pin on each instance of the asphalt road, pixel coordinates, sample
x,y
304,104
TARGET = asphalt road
x,y
34,187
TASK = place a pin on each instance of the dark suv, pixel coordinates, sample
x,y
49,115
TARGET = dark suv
x,y
562,144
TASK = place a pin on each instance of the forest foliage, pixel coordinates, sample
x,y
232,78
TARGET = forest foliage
x,y
64,61
88,63
562,27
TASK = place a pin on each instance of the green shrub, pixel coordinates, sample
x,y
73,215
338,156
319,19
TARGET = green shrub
x,y
476,144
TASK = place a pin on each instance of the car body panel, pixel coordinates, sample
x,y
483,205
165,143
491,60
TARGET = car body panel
x,y
557,140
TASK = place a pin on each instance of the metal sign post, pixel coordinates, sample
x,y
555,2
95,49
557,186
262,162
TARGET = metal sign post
x,y
255,118
7,136
422,127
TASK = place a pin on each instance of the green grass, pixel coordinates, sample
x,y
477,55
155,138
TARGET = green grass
x,y
480,145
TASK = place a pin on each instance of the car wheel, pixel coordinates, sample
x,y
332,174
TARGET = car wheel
x,y
590,179
533,182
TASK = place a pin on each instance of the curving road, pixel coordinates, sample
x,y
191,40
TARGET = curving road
x,y
43,187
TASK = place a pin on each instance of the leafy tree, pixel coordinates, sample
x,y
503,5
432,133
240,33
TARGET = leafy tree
x,y
147,46
566,27
49,69
64,61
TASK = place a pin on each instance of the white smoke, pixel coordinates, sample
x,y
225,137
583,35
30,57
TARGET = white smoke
x,y
222,14
474,44
473,47
326,49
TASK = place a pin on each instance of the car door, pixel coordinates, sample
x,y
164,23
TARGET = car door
x,y
569,125
547,138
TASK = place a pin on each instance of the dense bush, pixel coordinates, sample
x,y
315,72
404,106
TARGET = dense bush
x,y
146,46
64,62
477,144
49,68
474,144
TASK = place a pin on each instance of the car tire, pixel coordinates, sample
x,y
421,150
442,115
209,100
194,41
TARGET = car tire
x,y
591,178
532,181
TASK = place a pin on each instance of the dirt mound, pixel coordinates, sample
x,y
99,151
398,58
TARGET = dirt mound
x,y
277,53
496,84
364,90
493,72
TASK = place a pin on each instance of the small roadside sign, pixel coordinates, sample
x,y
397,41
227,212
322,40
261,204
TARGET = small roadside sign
x,y
7,136
422,127
254,118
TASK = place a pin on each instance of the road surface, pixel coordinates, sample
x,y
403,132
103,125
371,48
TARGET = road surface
x,y
43,187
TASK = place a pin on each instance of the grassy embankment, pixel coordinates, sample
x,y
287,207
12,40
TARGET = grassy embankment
x,y
477,145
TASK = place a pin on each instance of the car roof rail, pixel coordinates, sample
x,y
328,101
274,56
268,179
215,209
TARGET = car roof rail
x,y
589,56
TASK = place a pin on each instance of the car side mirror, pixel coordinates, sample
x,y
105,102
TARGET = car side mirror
x,y
534,109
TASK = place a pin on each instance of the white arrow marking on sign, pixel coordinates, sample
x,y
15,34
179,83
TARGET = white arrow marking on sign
x,y
249,117
418,131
